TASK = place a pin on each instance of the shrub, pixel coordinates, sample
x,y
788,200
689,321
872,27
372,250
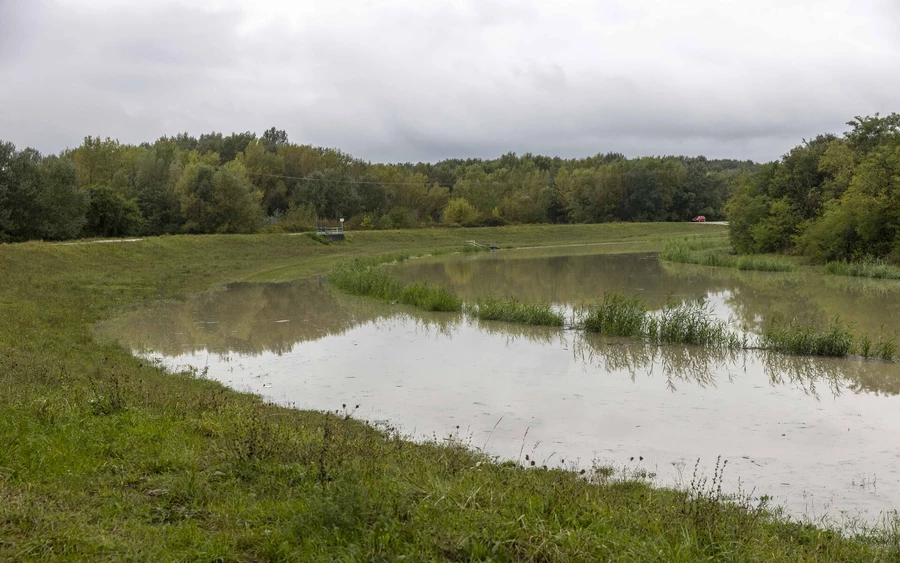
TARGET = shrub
x,y
460,211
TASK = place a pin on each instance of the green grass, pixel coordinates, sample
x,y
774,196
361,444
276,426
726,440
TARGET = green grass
x,y
513,311
701,253
864,269
680,323
693,324
366,278
803,337
105,457
618,315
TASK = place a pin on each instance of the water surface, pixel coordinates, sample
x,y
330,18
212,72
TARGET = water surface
x,y
818,435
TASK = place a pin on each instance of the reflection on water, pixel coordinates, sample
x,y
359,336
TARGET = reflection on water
x,y
805,430
870,305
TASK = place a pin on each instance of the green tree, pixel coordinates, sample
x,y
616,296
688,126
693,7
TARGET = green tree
x,y
98,161
39,197
330,193
273,139
266,172
459,211
157,171
109,214
218,201
372,195
7,153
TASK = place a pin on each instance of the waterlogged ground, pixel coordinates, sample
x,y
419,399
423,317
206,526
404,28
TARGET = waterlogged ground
x,y
817,435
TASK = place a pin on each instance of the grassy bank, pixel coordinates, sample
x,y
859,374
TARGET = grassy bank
x,y
864,269
704,254
103,457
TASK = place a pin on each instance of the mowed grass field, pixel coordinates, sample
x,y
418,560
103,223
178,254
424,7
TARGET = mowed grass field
x,y
106,458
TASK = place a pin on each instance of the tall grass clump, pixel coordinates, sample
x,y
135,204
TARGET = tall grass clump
x,y
513,311
803,337
618,315
684,323
424,296
762,263
677,251
691,323
864,269
690,252
885,348
365,278
362,277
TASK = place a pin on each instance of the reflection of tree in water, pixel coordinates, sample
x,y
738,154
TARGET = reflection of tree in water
x,y
559,279
255,318
458,273
699,366
515,332
248,318
678,364
858,376
755,297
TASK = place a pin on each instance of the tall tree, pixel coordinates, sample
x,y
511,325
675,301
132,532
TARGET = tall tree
x,y
218,201
273,139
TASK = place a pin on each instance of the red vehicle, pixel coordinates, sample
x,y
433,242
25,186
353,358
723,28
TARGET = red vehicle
x,y
699,219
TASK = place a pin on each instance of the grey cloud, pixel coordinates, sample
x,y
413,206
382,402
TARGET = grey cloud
x,y
431,82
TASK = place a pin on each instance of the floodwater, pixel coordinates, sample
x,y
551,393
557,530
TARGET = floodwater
x,y
817,435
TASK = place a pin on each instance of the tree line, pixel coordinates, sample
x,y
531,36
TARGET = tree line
x,y
243,183
830,198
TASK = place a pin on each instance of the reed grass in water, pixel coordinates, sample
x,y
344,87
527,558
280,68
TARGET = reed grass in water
x,y
363,277
683,323
690,252
864,269
618,315
513,311
803,337
691,323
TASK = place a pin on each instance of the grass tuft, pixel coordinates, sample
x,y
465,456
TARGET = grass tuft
x,y
691,323
364,277
694,252
803,337
618,315
682,323
513,311
864,269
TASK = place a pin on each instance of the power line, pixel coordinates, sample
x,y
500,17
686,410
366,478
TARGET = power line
x,y
426,182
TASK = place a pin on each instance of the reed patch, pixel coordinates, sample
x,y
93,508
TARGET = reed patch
x,y
864,269
700,253
514,311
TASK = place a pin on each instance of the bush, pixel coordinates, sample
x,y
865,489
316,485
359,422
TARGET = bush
x,y
298,218
218,201
460,211
111,215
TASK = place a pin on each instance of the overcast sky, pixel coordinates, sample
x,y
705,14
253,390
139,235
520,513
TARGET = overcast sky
x,y
416,80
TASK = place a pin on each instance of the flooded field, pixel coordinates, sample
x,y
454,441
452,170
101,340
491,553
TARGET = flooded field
x,y
817,435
